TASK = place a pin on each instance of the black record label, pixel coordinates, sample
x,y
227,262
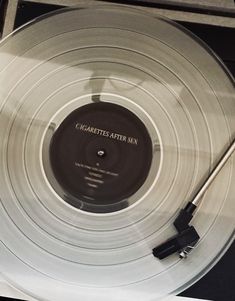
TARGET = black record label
x,y
101,155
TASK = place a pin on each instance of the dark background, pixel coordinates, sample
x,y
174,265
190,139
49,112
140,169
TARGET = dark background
x,y
219,283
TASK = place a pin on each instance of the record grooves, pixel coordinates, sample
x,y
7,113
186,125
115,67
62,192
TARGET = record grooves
x,y
108,125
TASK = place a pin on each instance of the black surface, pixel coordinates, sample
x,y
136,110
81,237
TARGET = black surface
x,y
28,11
101,155
2,14
219,283
9,299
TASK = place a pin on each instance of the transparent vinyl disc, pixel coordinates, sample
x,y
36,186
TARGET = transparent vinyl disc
x,y
181,95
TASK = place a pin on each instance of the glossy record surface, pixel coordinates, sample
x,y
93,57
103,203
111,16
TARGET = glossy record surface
x,y
184,97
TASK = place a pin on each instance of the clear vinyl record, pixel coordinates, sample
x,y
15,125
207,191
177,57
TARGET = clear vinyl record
x,y
110,120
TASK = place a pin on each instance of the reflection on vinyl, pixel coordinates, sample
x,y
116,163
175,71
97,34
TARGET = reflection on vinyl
x,y
110,120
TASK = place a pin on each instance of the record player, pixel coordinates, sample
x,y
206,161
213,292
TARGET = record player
x,y
211,21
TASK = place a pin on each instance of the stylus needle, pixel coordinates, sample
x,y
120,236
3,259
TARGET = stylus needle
x,y
187,236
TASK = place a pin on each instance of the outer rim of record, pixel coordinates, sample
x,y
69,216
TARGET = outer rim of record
x,y
203,45
131,7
